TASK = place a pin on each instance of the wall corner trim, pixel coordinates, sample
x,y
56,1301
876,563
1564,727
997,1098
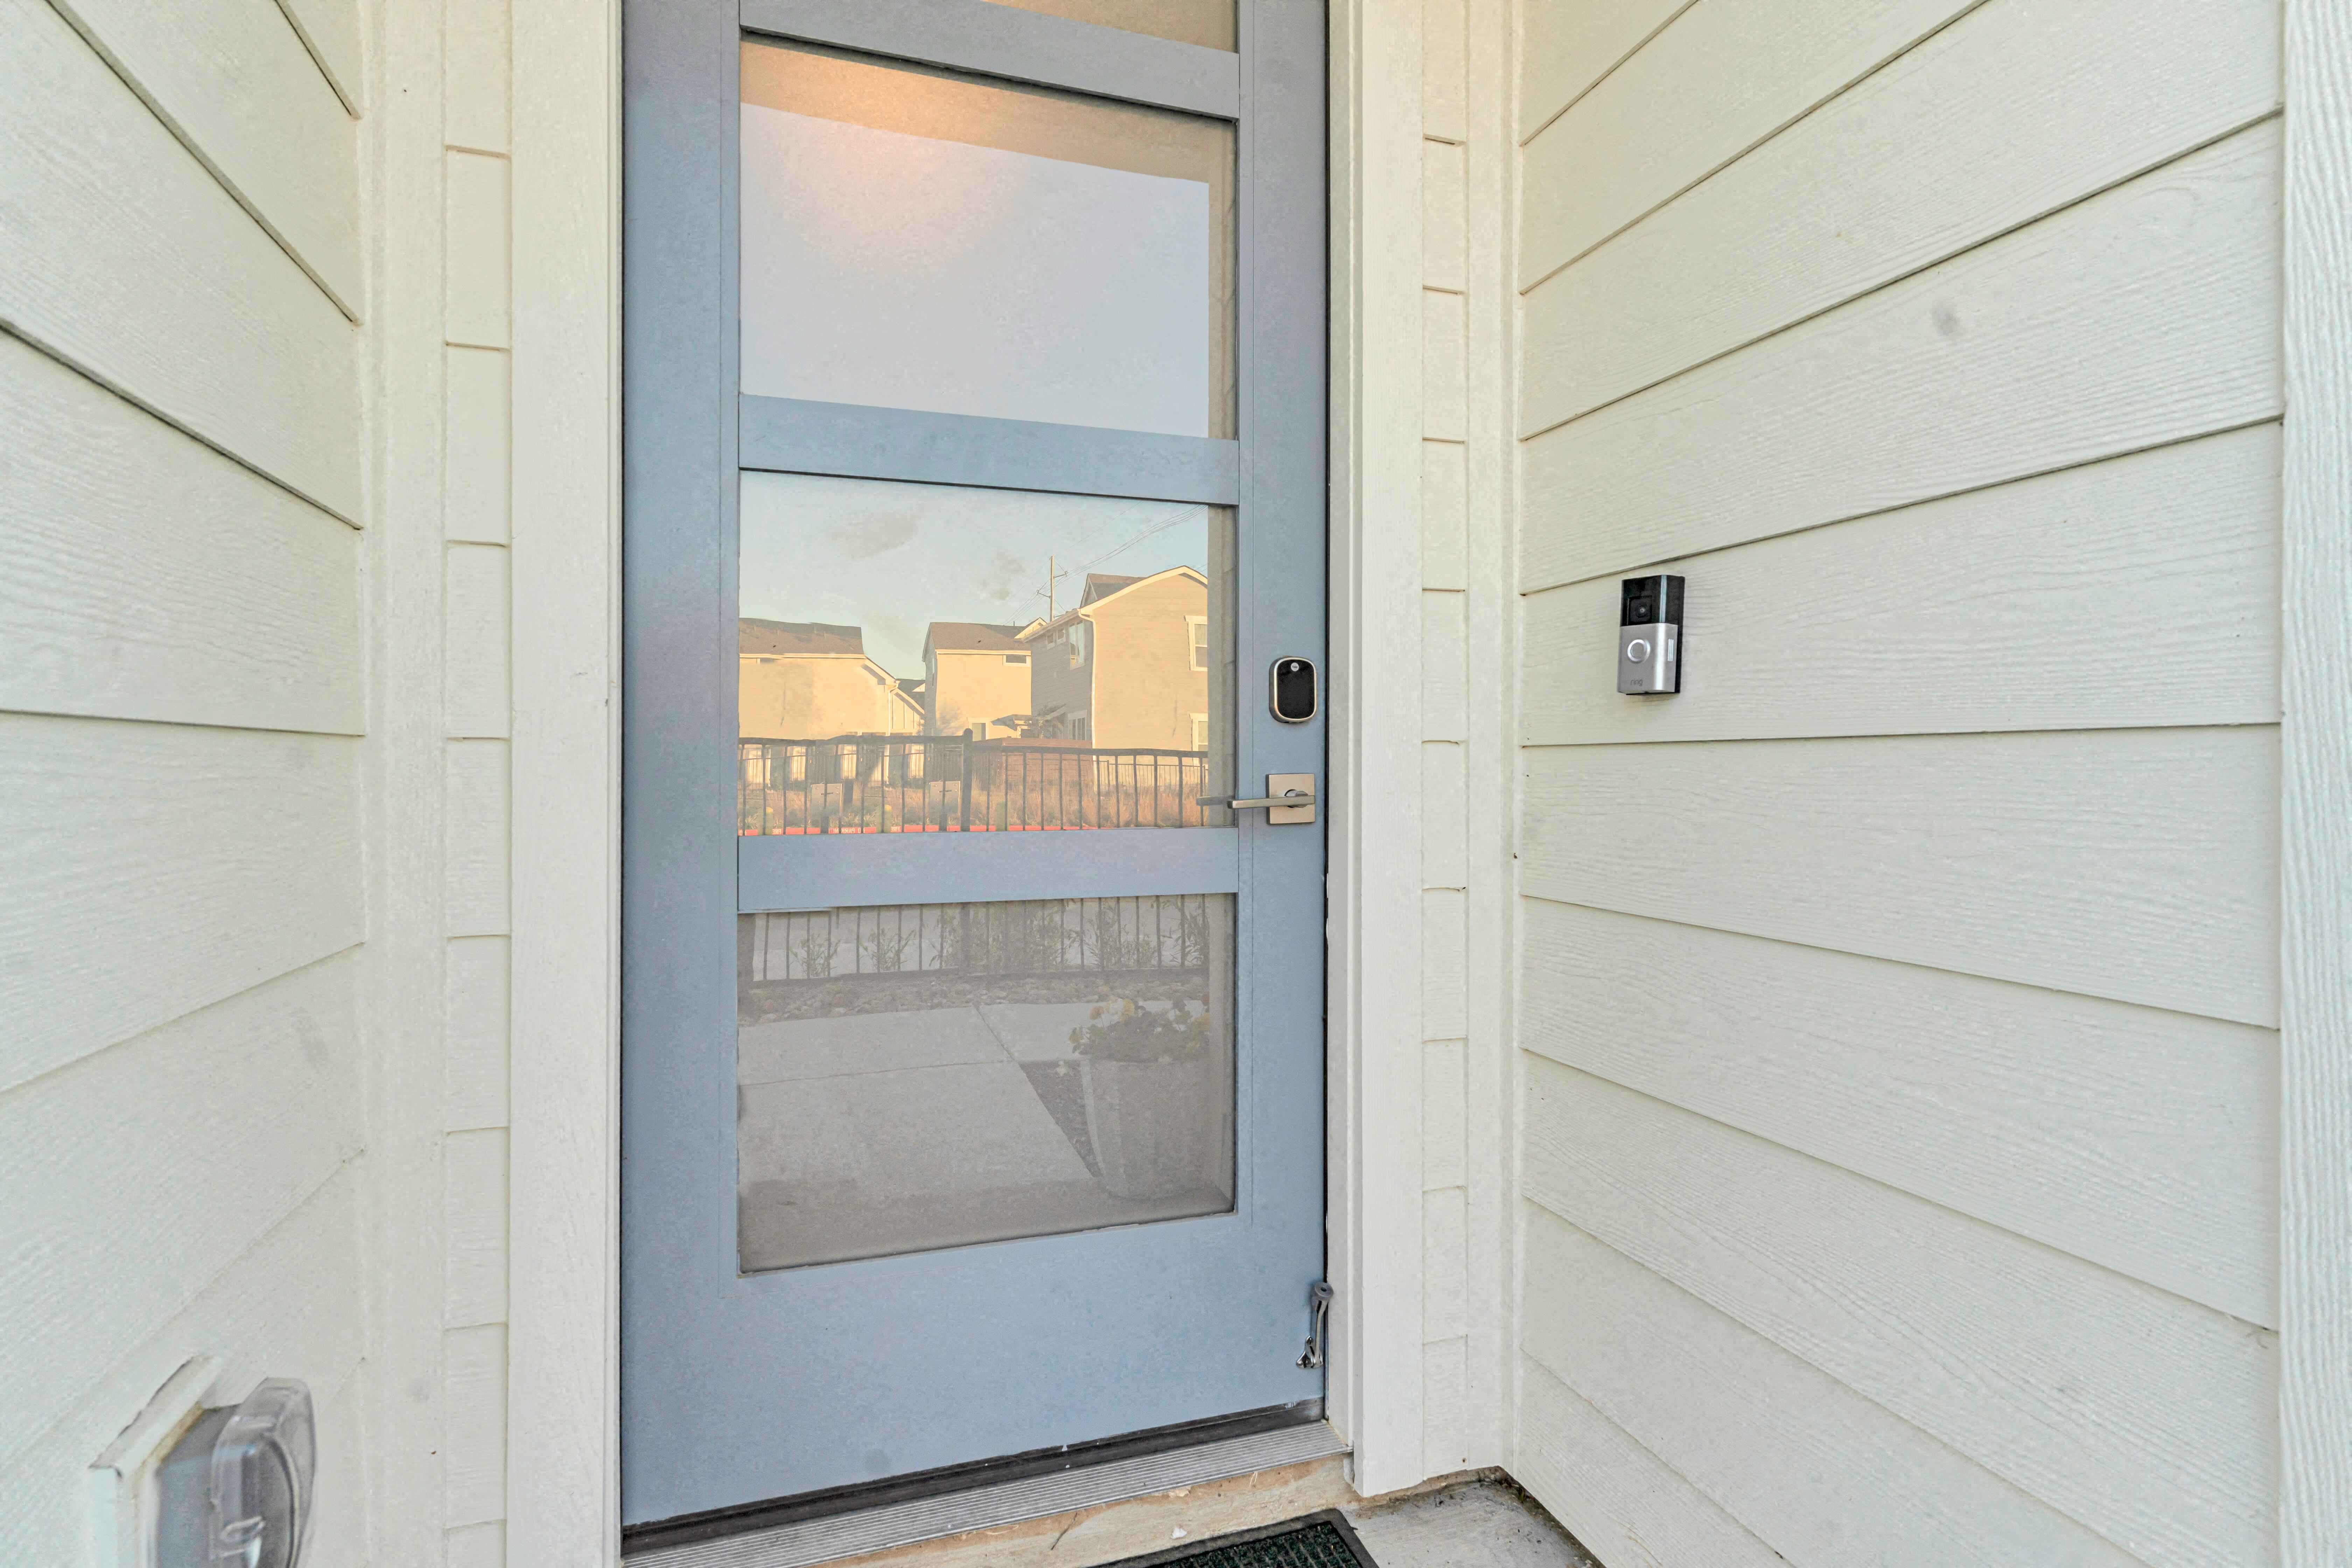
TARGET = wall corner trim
x,y
1374,1012
2316,807
563,1442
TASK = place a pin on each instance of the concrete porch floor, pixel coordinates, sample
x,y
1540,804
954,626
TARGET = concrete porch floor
x,y
1477,1520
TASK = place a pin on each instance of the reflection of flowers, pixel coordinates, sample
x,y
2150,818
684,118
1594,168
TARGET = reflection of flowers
x,y
1126,1031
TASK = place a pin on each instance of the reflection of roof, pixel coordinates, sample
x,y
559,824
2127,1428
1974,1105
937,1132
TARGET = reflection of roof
x,y
974,636
1102,586
799,636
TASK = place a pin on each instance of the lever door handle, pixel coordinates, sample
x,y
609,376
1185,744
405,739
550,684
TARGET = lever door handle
x,y
1287,797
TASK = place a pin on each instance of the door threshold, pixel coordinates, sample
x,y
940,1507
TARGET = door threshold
x,y
848,1521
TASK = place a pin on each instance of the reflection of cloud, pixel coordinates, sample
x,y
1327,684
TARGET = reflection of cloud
x,y
1002,574
869,533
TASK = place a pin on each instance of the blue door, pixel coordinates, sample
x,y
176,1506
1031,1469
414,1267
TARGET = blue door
x,y
973,1025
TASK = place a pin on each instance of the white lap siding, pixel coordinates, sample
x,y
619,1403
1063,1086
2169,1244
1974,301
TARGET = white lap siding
x,y
1898,1066
183,736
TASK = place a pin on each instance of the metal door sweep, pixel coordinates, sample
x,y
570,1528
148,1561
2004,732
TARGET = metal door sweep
x,y
795,1533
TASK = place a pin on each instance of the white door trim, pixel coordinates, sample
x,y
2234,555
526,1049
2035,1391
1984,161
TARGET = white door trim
x,y
2315,806
1373,1168
562,1463
563,1338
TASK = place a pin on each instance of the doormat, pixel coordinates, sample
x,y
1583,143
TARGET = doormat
x,y
1318,1541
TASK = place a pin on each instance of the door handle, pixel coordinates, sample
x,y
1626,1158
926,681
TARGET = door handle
x,y
1289,797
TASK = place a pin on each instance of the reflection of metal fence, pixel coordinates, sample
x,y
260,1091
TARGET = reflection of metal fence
x,y
1044,936
923,784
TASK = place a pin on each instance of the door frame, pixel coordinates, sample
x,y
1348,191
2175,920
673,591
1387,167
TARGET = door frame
x,y
562,1399
705,1343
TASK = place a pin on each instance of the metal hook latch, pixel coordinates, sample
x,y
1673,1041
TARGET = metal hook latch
x,y
1319,1299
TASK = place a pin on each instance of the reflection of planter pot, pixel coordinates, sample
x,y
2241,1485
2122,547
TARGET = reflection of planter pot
x,y
1152,1124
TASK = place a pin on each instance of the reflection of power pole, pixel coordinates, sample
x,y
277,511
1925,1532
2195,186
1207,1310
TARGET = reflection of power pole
x,y
1052,577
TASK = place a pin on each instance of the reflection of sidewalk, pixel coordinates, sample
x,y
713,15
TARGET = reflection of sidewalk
x,y
872,1134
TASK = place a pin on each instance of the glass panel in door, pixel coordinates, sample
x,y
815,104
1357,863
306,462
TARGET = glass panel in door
x,y
940,658
916,239
927,1075
945,661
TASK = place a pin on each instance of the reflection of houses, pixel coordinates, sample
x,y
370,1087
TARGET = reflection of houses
x,y
1130,666
802,681
975,681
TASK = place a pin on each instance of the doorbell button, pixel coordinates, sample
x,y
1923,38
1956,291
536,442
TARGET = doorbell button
x,y
1649,636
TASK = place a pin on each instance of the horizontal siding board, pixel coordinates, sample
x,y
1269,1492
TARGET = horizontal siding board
x,y
1444,964
1821,1475
330,31
477,446
473,1034
1444,666
478,800
174,296
1716,81
2015,110
215,1128
151,870
1444,515
2141,1415
1445,1407
479,271
233,81
290,1306
1620,1501
1565,45
1445,816
1445,366
477,75
144,575
1444,217
474,1219
1444,1116
2139,591
2145,315
1444,1265
476,1546
474,1448
2141,1140
339,1537
476,685
2140,865
1445,70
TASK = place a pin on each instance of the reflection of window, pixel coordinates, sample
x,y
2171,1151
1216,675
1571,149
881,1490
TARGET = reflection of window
x,y
1086,727
1017,659
1200,732
1198,625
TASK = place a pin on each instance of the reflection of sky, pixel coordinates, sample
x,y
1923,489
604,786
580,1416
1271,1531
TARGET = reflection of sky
x,y
970,279
892,558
